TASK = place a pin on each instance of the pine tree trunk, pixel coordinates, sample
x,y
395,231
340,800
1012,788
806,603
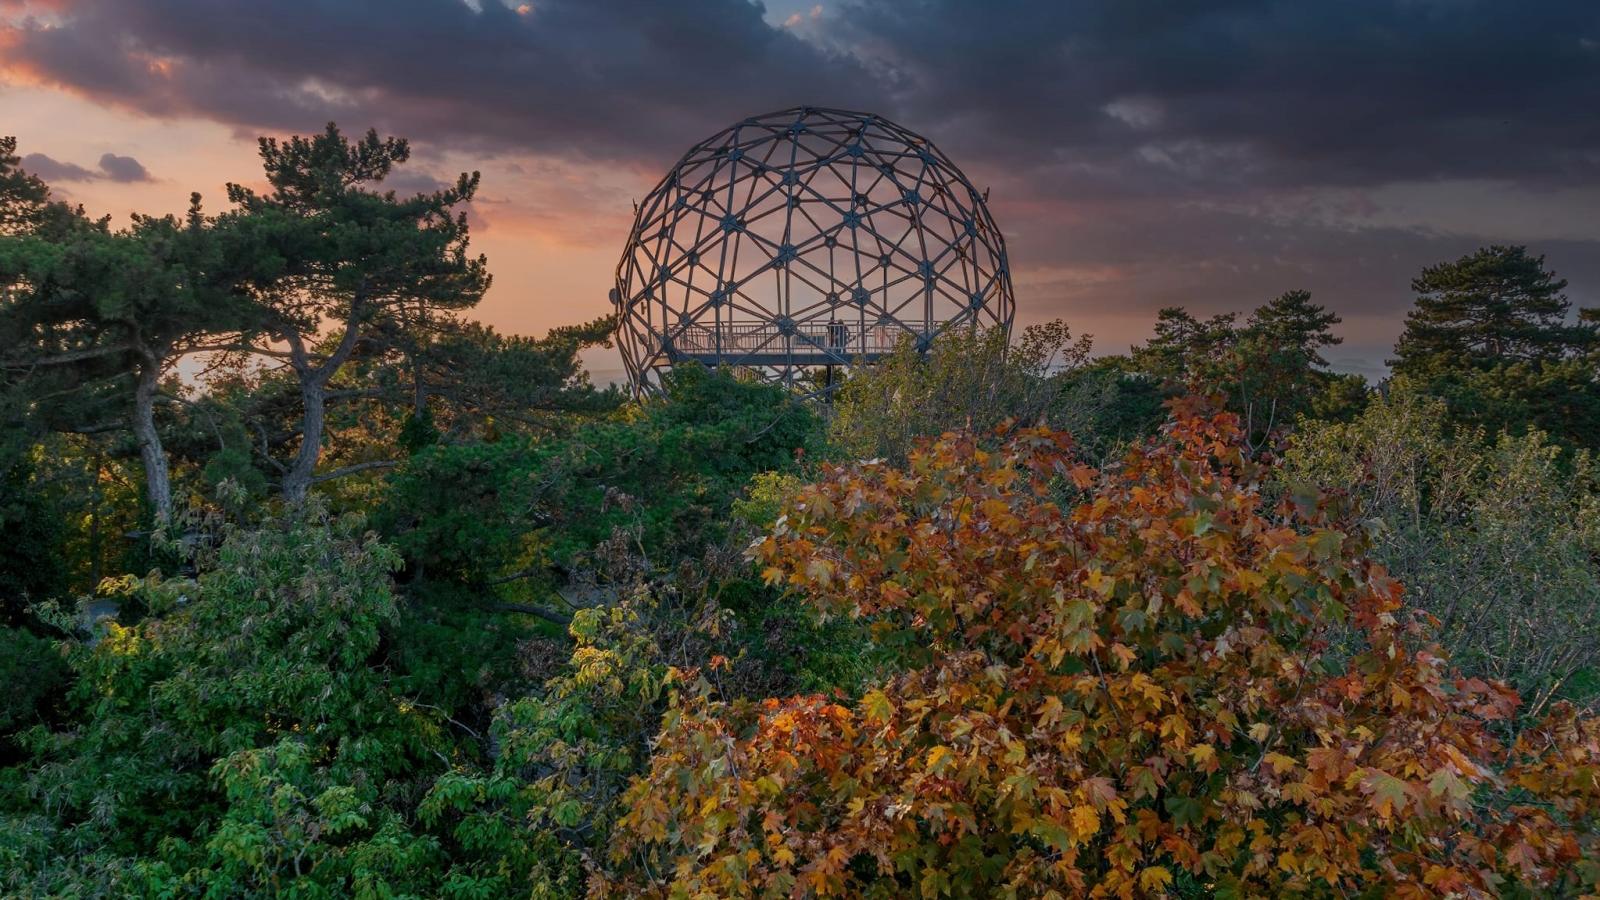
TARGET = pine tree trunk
x,y
158,481
297,481
313,396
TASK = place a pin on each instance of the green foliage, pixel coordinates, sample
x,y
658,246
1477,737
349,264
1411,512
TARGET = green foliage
x,y
450,653
1269,370
1559,398
336,265
283,719
1112,407
675,468
789,640
465,511
32,564
21,195
324,232
90,490
1184,349
293,825
25,203
561,758
483,382
1491,335
1496,539
978,379
1494,306
240,723
96,318
33,679
669,471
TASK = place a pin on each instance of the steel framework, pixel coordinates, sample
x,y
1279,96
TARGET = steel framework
x,y
806,238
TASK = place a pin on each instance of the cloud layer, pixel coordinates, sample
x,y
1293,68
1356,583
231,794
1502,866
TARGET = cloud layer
x,y
122,169
1142,152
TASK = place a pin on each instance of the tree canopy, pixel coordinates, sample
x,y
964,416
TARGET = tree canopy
x,y
1495,306
313,585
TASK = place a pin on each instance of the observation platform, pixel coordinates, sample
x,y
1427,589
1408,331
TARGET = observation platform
x,y
797,344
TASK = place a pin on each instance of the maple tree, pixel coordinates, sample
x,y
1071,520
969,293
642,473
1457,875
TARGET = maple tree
x,y
1120,683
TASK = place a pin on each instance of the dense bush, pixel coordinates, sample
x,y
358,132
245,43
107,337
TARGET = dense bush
x,y
230,736
1129,690
670,471
32,567
978,379
33,679
1497,538
280,720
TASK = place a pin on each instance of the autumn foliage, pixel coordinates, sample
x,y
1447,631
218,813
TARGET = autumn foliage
x,y
1145,680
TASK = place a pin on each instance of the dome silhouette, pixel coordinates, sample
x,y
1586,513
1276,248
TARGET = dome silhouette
x,y
806,238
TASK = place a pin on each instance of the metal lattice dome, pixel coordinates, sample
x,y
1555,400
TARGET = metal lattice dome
x,y
803,238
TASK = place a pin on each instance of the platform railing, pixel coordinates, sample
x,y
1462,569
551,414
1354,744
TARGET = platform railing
x,y
822,339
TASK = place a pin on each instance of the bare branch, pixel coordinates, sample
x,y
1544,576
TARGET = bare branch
x,y
353,469
66,357
541,612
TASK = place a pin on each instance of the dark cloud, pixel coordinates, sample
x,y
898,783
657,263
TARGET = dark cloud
x,y
1121,266
1225,92
1256,91
612,80
112,167
1155,141
123,168
1177,95
53,170
407,181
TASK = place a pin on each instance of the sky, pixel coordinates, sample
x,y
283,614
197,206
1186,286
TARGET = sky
x,y
1138,153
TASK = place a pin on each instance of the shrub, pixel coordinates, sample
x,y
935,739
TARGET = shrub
x,y
1495,539
977,380
1128,691
237,738
33,676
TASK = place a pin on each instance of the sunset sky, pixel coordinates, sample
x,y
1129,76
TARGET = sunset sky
x,y
1140,153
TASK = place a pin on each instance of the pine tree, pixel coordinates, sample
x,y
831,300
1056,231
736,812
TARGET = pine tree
x,y
339,257
1294,325
1492,336
95,319
1496,306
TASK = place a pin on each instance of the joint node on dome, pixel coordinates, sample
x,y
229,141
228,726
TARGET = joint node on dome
x,y
806,239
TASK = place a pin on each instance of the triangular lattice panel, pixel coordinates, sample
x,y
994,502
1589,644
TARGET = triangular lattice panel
x,y
806,237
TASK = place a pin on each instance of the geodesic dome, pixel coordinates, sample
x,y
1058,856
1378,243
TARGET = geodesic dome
x,y
806,238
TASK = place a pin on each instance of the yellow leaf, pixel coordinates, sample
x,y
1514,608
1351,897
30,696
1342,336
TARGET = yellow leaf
x,y
1085,822
995,508
878,707
1281,763
1099,583
1155,878
1124,654
819,570
1050,710
1298,792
